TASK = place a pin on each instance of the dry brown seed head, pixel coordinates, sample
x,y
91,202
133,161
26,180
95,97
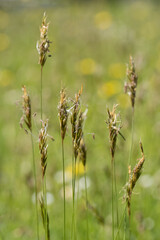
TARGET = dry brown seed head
x,y
43,44
130,86
114,128
26,106
43,146
82,152
79,133
133,178
63,113
74,115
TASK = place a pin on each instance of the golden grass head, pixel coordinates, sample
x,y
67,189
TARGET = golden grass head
x,y
63,113
75,111
114,126
26,106
131,85
82,152
133,178
43,44
78,133
43,146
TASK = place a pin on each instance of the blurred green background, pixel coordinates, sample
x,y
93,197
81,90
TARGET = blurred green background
x,y
91,45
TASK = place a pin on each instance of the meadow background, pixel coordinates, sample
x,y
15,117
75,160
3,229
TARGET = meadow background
x,y
91,45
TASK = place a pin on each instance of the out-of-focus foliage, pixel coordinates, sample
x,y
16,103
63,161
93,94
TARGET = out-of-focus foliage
x,y
91,44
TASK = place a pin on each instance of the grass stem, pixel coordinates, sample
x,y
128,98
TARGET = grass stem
x,y
73,192
64,194
112,166
86,204
35,186
73,233
45,203
129,163
116,195
132,133
41,92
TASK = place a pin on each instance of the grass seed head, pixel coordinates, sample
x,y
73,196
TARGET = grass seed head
x,y
133,178
114,128
43,146
79,133
43,44
74,115
26,106
82,152
131,85
63,113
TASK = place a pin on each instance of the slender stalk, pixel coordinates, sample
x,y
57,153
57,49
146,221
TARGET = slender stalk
x,y
78,183
35,186
44,178
73,193
129,163
116,195
121,221
75,229
86,204
45,202
112,166
64,193
132,131
41,91
73,233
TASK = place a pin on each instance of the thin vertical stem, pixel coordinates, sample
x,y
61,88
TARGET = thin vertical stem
x,y
116,195
129,163
41,93
75,228
64,194
112,166
35,186
132,131
44,178
122,218
73,192
73,233
45,202
86,204
78,183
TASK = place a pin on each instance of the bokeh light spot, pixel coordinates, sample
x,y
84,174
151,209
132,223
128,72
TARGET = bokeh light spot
x,y
110,88
103,20
87,66
117,70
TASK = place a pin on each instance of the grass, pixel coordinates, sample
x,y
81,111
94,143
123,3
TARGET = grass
x,y
75,38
